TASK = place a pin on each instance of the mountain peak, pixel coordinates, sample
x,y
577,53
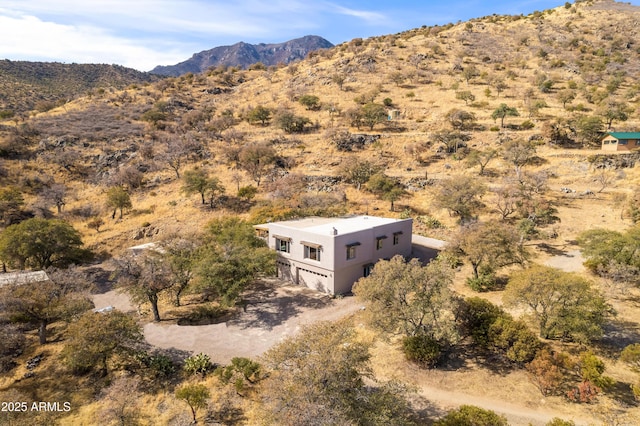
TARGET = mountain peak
x,y
244,54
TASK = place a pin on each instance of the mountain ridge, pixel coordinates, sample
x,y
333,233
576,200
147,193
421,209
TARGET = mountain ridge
x,y
243,55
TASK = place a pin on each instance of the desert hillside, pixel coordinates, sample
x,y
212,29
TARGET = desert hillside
x,y
496,121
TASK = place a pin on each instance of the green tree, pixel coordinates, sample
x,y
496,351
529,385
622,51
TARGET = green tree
x,y
372,114
613,254
460,195
11,203
259,114
358,172
41,243
565,305
322,376
60,298
466,96
196,396
214,190
589,130
504,111
291,123
181,254
481,158
488,246
231,259
118,198
469,415
474,316
409,299
196,181
247,192
310,102
469,73
96,337
566,96
612,111
519,153
386,188
460,119
145,277
514,338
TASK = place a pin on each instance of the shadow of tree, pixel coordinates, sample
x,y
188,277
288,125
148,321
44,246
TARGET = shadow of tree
x,y
100,278
621,392
462,356
617,335
552,250
266,306
424,410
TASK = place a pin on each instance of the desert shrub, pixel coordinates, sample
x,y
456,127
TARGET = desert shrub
x,y
484,282
475,316
559,422
592,369
421,349
547,371
585,392
430,222
527,125
472,415
198,364
514,338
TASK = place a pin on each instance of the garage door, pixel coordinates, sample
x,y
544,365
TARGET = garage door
x,y
312,279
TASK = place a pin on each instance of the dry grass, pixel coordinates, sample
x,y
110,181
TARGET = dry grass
x,y
512,47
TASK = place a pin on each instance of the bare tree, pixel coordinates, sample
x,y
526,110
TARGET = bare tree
x,y
120,401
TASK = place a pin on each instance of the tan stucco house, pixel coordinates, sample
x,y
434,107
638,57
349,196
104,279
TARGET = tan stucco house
x,y
621,141
330,254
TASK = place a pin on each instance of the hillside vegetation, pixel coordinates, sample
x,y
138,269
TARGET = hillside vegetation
x,y
25,86
484,132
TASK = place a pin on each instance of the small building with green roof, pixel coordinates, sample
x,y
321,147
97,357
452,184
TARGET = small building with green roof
x,y
621,141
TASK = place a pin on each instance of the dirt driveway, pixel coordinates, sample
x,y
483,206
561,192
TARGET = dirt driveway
x,y
273,311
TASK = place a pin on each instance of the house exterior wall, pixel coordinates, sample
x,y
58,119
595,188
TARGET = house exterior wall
x,y
612,144
334,273
609,143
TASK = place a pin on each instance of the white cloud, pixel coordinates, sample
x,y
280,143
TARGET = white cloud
x,y
29,38
140,33
367,16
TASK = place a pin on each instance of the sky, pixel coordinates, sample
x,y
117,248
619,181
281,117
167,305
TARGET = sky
x,y
142,34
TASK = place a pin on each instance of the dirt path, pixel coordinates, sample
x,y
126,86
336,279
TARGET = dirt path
x,y
517,415
571,261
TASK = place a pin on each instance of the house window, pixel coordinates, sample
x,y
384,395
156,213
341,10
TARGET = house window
x,y
367,270
283,245
623,142
396,238
312,252
351,250
379,242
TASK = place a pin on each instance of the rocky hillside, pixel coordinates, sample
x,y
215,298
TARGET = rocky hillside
x,y
244,54
564,75
41,85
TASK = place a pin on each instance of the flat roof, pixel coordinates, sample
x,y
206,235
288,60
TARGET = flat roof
x,y
23,277
343,225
